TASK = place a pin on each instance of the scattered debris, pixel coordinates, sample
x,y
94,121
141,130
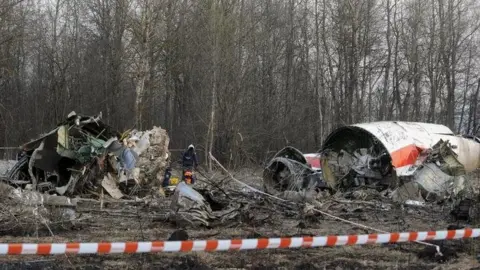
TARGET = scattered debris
x,y
189,207
25,210
414,203
465,210
110,185
367,169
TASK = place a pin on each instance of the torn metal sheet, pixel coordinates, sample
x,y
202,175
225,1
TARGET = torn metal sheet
x,y
186,191
111,186
433,183
189,207
407,191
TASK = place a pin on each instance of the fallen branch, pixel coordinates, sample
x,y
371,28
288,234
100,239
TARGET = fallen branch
x,y
358,202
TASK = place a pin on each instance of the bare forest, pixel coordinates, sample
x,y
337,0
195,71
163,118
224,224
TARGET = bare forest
x,y
238,77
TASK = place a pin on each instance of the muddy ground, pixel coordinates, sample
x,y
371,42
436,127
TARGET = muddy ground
x,y
131,221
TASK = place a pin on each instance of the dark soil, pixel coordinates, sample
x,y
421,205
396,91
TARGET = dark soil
x,y
145,224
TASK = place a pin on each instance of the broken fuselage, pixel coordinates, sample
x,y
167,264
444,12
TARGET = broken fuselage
x,y
386,154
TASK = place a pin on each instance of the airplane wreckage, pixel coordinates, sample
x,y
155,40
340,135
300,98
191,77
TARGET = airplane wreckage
x,y
82,153
407,161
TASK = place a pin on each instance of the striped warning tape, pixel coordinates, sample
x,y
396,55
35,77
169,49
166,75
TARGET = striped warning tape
x,y
234,244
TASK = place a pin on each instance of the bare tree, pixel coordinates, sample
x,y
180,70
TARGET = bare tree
x,y
238,78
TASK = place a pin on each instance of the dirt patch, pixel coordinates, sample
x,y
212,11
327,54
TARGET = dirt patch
x,y
140,222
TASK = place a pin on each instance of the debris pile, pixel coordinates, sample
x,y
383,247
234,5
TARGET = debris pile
x,y
83,154
25,210
66,159
152,149
190,207
436,176
411,164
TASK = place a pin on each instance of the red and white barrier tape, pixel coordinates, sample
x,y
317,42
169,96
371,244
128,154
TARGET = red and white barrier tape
x,y
234,244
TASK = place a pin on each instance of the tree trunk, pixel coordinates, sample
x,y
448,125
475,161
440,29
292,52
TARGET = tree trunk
x,y
383,105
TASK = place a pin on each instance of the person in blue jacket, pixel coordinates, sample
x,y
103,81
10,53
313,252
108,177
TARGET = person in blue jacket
x,y
189,160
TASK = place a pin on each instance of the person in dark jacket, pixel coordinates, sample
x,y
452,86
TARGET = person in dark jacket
x,y
166,177
189,160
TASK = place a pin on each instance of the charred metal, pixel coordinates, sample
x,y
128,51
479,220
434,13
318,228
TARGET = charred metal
x,y
289,170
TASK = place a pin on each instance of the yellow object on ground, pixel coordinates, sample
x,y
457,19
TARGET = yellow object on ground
x,y
125,134
174,180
